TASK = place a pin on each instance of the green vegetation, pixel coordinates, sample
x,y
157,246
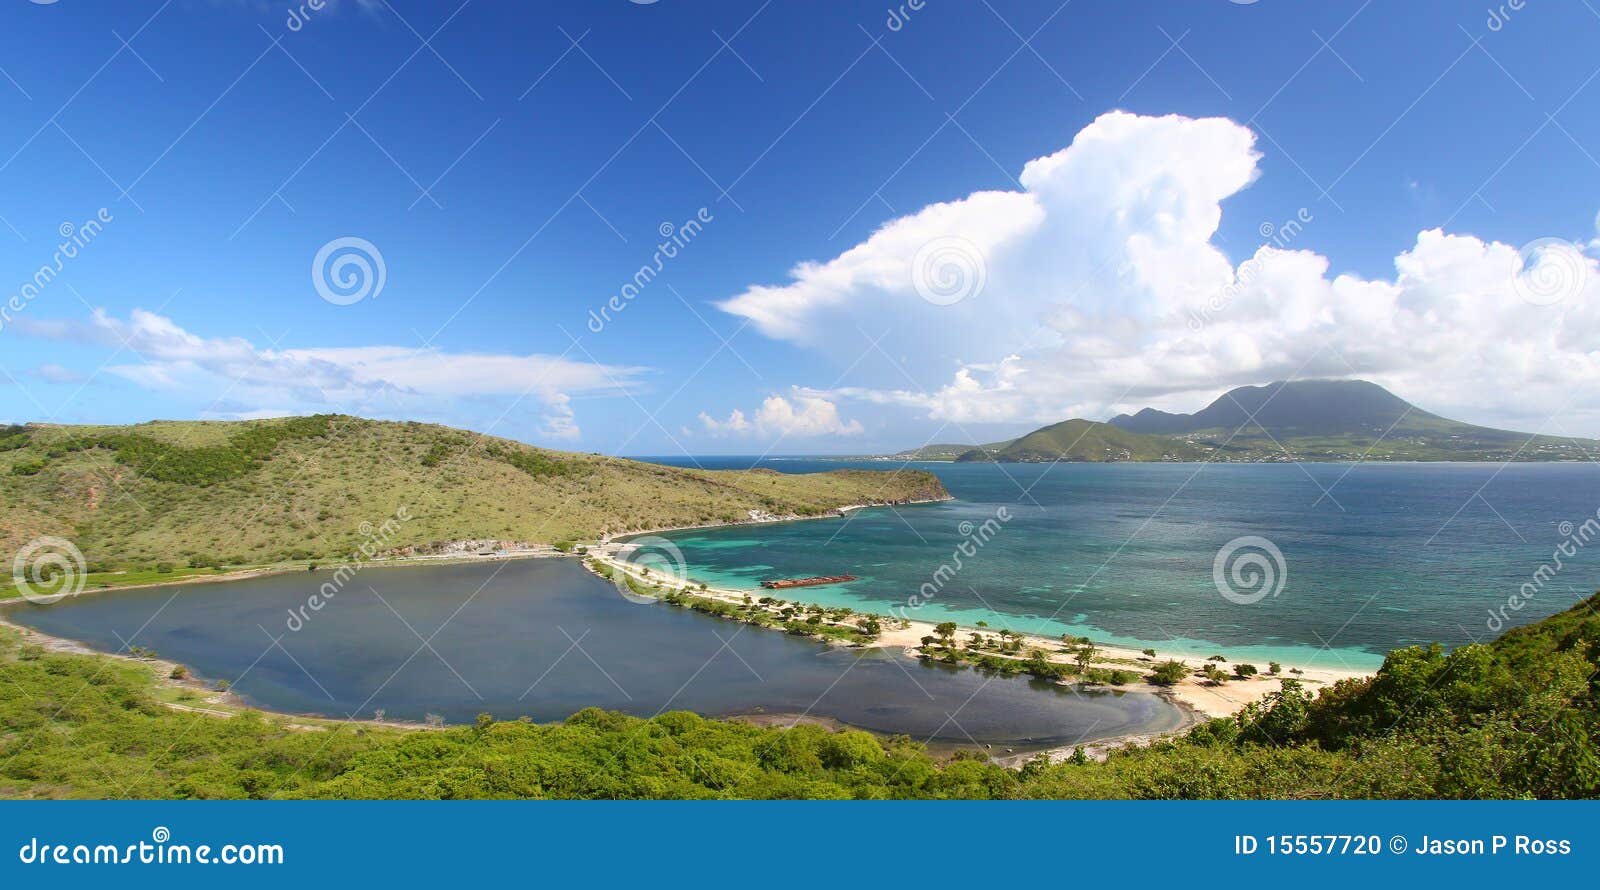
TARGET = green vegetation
x,y
1511,719
1086,440
1168,673
164,461
297,489
837,624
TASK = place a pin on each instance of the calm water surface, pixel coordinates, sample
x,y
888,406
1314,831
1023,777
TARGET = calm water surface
x,y
1376,555
544,638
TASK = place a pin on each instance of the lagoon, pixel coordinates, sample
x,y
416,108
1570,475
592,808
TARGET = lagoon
x,y
543,638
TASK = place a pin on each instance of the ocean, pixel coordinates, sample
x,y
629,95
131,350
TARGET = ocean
x,y
1373,556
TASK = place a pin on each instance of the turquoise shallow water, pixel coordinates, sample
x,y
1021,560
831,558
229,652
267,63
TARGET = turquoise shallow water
x,y
1375,556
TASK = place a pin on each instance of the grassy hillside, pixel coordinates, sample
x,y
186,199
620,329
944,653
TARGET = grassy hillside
x,y
265,491
1086,440
1515,718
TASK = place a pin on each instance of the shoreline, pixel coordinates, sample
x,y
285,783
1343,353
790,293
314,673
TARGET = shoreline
x,y
212,702
1190,693
840,512
1195,700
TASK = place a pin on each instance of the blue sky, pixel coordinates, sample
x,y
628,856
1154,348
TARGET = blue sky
x,y
1425,173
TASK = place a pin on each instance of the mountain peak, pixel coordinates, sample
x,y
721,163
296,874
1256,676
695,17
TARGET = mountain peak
x,y
1288,407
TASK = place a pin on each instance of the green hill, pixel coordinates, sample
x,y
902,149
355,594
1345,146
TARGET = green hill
x,y
255,492
1086,440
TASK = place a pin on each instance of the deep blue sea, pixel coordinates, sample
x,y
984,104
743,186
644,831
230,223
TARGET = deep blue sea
x,y
1374,556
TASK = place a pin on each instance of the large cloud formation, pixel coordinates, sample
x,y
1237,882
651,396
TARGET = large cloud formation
x,y
1097,288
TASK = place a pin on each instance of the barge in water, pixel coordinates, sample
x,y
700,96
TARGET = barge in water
x,y
786,583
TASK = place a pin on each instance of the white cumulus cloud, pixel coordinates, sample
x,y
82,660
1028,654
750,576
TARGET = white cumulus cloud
x,y
802,416
1103,291
373,380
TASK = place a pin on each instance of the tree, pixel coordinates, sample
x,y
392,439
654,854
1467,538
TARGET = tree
x,y
1039,665
1086,654
1167,673
1245,671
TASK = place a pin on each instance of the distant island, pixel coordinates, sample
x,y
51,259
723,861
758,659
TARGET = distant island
x,y
1304,420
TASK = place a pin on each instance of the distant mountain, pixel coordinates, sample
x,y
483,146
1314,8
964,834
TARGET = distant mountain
x,y
1301,420
1341,420
1086,440
1292,408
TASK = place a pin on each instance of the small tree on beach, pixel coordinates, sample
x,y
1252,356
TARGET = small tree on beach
x,y
1085,657
1168,673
